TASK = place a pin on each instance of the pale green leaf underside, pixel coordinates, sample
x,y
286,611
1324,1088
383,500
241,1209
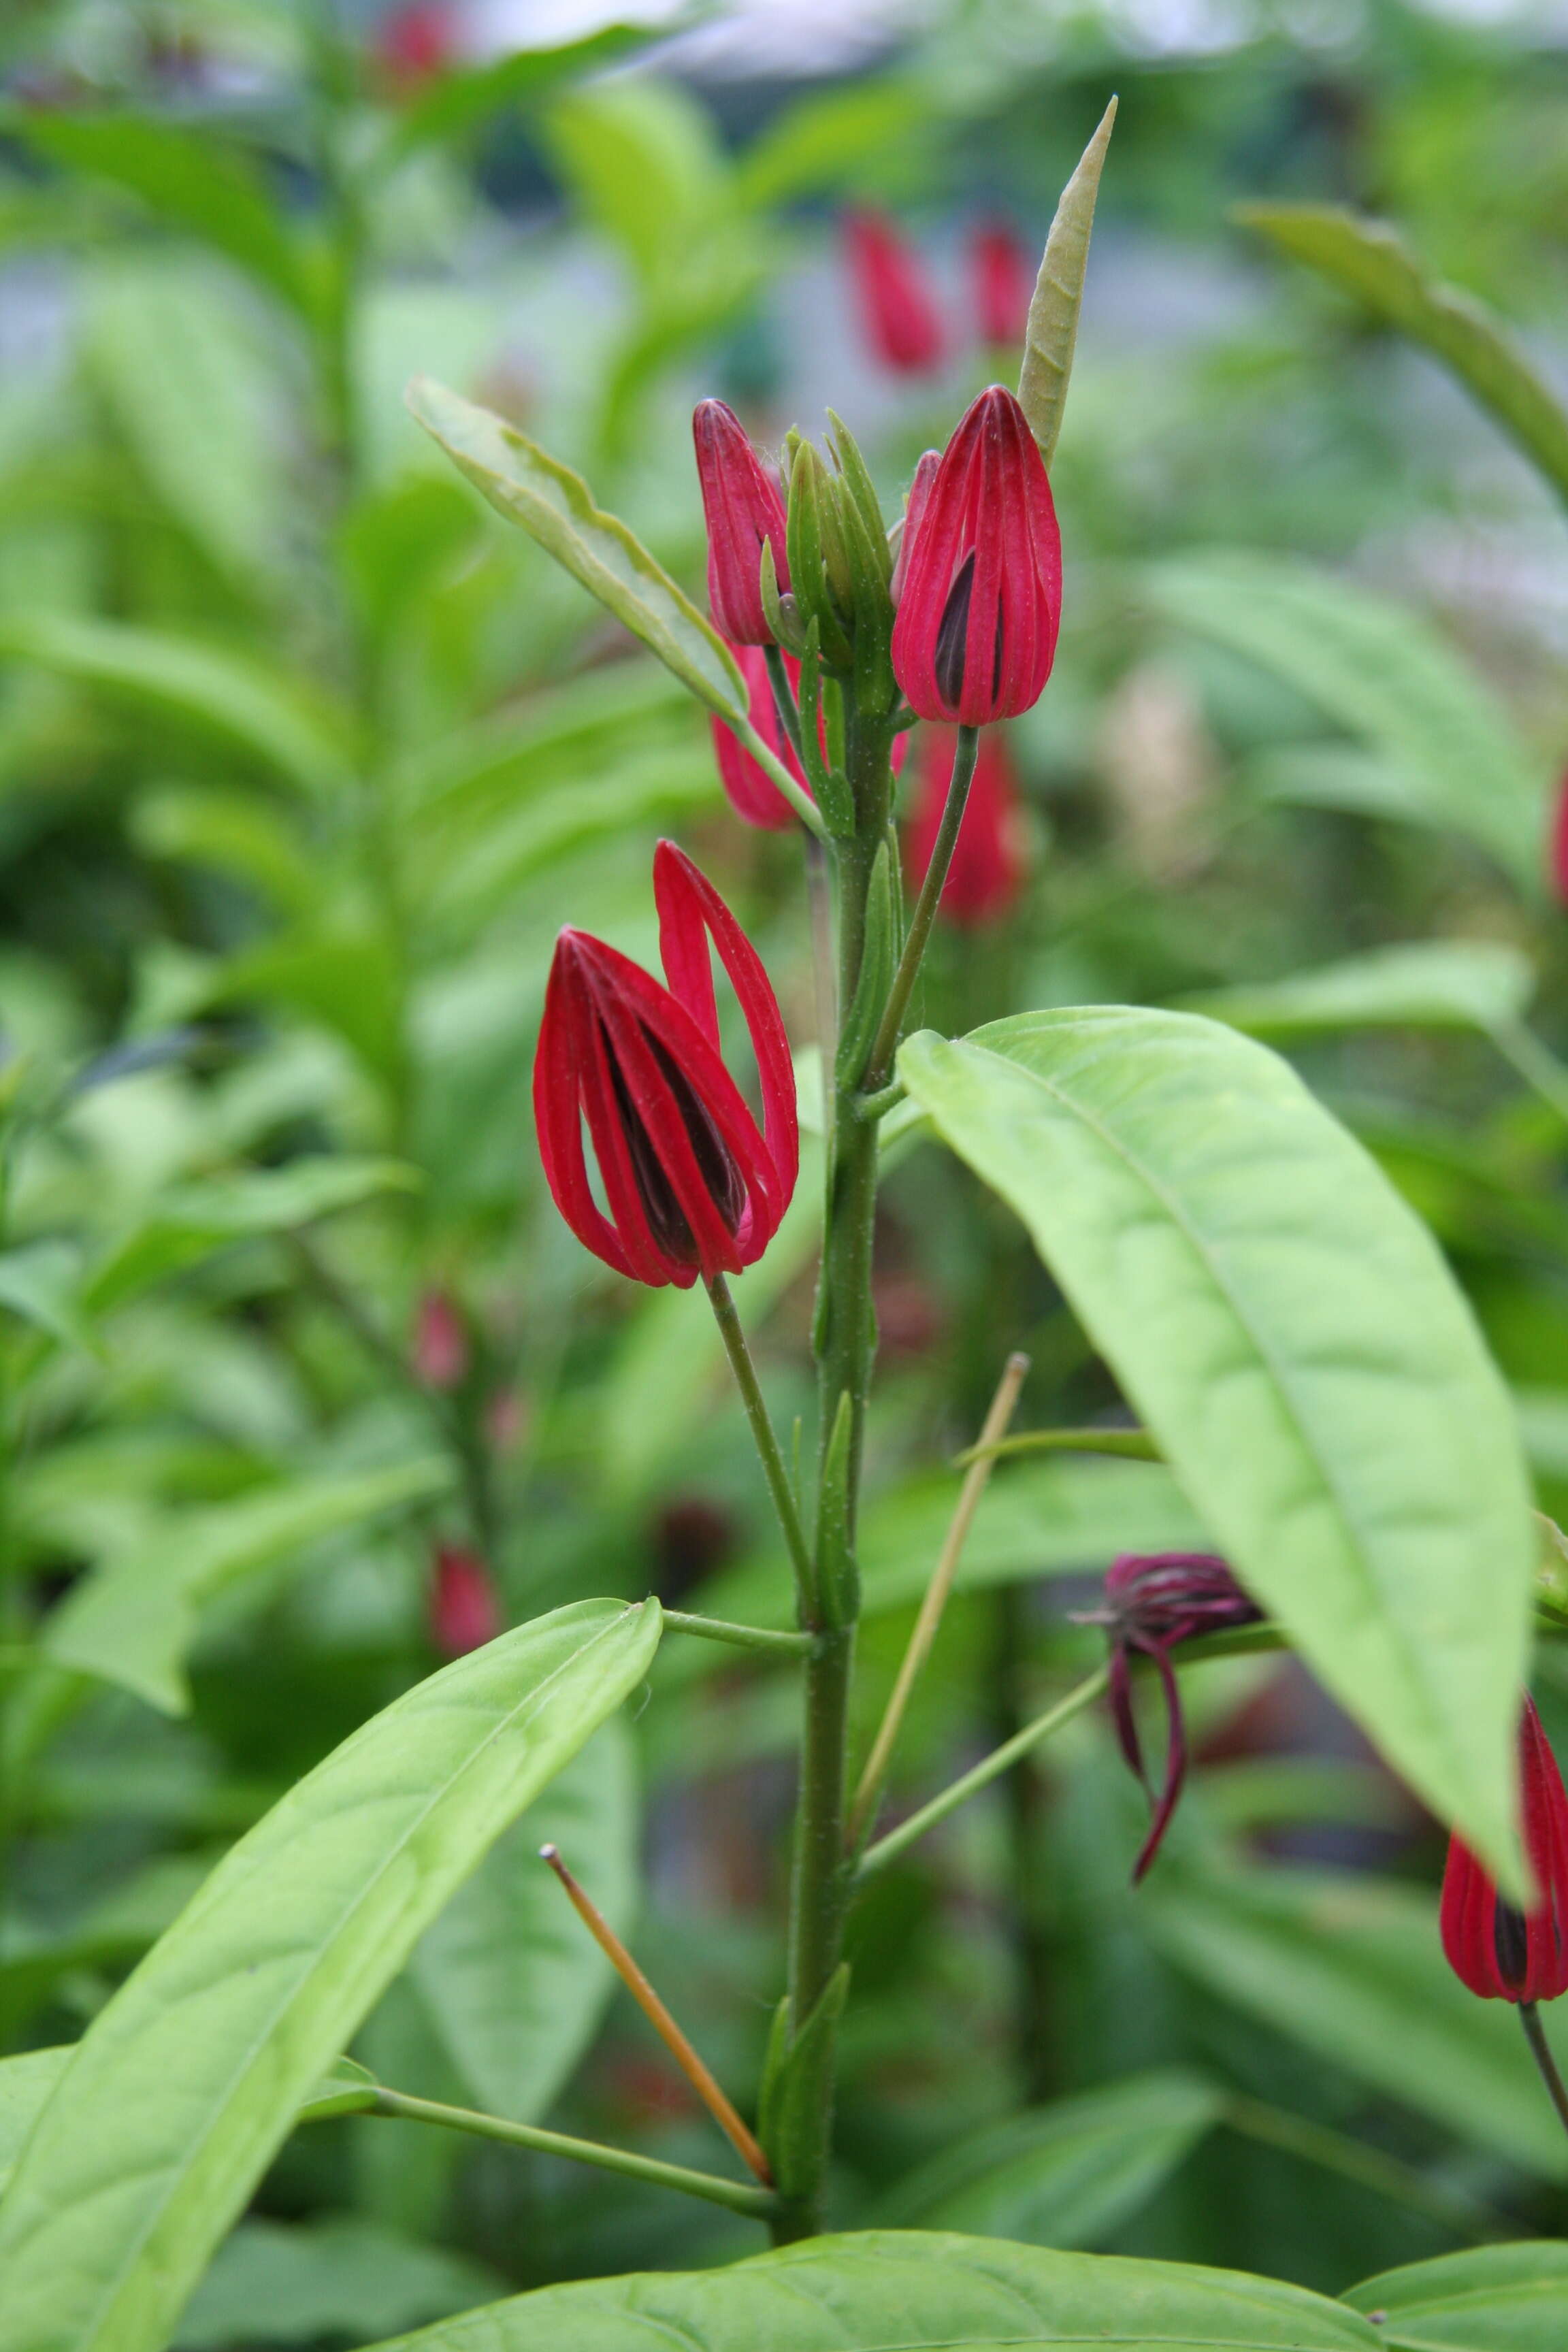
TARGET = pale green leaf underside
x,y
187,2082
1490,2299
1370,261
556,506
888,2291
1287,1330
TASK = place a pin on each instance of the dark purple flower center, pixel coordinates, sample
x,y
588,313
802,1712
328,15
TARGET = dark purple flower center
x,y
1511,1942
716,1165
953,636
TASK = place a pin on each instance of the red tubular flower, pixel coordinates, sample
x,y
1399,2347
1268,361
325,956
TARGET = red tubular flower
x,y
1559,845
919,491
1500,1952
743,509
440,1342
981,597
750,791
693,1184
987,870
1004,282
465,1607
1153,1601
897,310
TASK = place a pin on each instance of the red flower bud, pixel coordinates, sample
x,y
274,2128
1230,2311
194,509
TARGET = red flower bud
x,y
693,1184
1003,283
743,509
987,870
919,491
981,595
750,791
1500,1952
416,43
1559,845
1153,1602
440,1342
465,1607
897,310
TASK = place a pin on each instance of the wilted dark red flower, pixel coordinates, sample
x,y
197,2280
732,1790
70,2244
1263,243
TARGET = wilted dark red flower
x,y
750,791
1004,282
897,308
987,870
441,1354
1154,1600
693,1184
1559,845
1500,1952
744,510
979,595
465,1607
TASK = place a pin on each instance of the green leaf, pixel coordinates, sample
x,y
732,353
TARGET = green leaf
x,y
255,710
1385,677
28,2082
514,1985
124,2190
1351,1966
41,1282
627,797
1490,2299
1431,984
1064,2174
455,105
134,1622
1288,1332
644,161
189,1221
280,2282
829,141
557,506
1371,262
186,180
896,2291
1050,337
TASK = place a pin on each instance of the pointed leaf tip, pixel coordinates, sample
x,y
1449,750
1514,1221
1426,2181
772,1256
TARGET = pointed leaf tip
x,y
1051,334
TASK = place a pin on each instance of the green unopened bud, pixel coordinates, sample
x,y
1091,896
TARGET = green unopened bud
x,y
818,562
782,613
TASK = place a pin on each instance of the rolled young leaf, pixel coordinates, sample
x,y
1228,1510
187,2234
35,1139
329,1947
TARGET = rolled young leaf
x,y
1051,336
1288,1332
557,507
187,2080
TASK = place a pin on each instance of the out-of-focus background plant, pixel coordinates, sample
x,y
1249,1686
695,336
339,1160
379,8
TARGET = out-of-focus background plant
x,y
303,761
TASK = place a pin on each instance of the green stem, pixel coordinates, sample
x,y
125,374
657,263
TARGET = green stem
x,y
1541,2051
758,2204
767,758
819,899
990,1767
1369,2168
767,1444
739,1637
1127,1445
920,921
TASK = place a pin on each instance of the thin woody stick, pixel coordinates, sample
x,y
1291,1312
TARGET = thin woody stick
x,y
937,1591
699,2077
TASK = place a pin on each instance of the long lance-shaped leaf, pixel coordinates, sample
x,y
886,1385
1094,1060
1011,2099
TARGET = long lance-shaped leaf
x,y
1370,261
185,2083
1480,2301
557,507
879,2289
1289,1334
1051,335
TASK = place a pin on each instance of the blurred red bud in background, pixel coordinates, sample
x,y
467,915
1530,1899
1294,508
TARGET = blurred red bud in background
x,y
465,1607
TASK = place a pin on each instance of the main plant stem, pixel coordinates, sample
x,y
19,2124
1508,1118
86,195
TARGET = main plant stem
x,y
844,1345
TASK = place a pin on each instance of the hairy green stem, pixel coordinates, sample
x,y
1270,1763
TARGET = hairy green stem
x,y
887,1039
989,1768
783,700
741,2198
1541,2051
767,1444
